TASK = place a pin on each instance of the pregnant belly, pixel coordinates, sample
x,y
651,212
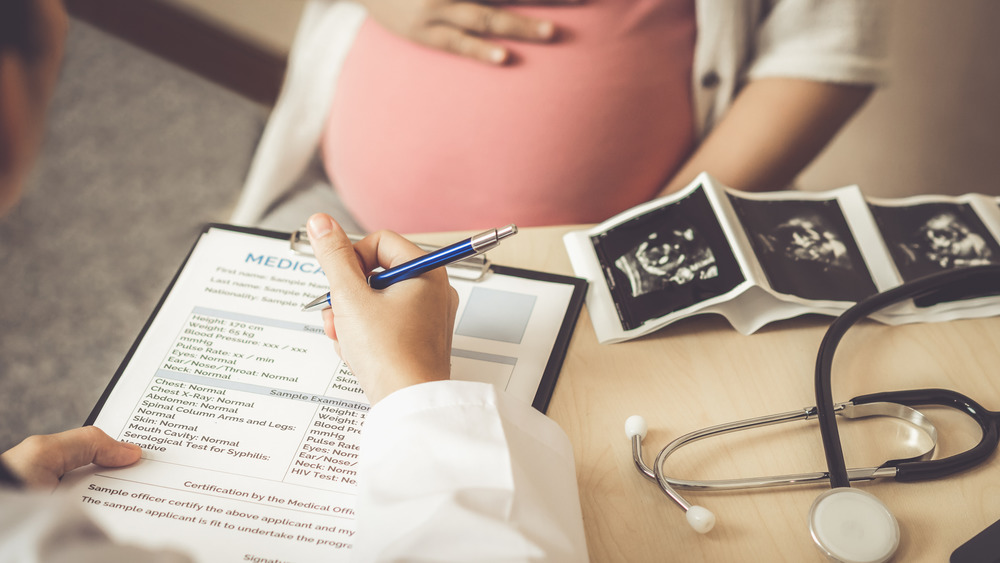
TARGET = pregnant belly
x,y
419,140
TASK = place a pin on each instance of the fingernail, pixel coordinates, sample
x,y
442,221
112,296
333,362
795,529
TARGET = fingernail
x,y
498,55
545,30
319,226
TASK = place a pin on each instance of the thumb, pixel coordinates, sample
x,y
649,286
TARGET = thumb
x,y
89,444
336,255
40,461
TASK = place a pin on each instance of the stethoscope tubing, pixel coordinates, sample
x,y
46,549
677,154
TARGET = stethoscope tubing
x,y
897,404
863,409
829,432
909,471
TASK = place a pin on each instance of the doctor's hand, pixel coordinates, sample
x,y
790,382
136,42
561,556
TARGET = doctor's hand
x,y
463,27
40,461
390,338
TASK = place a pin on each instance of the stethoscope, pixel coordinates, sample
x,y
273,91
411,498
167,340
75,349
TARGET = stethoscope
x,y
848,524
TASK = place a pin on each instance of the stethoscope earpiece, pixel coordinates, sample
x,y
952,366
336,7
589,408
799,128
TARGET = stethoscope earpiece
x,y
701,519
635,425
853,526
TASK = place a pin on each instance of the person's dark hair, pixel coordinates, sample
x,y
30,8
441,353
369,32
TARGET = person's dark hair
x,y
7,478
17,27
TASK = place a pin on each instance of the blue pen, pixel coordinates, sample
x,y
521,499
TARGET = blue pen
x,y
459,251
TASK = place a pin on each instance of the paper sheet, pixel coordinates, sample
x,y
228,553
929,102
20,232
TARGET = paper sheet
x,y
756,258
249,421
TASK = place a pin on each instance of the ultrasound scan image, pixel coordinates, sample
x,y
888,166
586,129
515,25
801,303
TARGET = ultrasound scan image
x,y
928,238
947,242
672,257
667,260
932,237
805,248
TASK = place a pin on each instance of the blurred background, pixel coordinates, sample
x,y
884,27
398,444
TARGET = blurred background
x,y
932,130
161,104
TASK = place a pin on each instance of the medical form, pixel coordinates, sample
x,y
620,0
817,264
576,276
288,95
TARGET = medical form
x,y
250,422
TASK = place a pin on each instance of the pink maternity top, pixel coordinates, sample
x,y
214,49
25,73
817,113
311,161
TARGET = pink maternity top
x,y
420,140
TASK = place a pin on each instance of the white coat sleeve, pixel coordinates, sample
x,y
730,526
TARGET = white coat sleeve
x,y
53,528
455,471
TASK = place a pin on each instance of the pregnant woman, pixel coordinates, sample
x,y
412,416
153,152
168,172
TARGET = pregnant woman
x,y
442,114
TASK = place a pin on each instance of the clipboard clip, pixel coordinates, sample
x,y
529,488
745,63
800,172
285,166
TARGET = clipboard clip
x,y
473,268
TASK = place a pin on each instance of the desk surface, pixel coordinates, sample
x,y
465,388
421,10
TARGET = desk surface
x,y
700,372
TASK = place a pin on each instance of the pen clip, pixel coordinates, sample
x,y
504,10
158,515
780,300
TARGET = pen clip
x,y
473,268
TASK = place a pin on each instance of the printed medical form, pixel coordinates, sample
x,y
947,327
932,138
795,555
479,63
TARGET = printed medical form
x,y
250,422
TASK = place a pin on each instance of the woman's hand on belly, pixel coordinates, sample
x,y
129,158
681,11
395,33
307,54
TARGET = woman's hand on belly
x,y
463,27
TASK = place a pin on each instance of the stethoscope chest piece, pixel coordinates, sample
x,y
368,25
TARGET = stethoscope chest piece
x,y
852,526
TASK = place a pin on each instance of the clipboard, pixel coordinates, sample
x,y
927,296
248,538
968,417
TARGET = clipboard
x,y
245,415
476,269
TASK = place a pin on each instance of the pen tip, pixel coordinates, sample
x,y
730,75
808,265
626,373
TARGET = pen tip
x,y
321,302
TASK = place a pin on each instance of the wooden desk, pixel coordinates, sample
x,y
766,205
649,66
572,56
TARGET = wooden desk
x,y
700,372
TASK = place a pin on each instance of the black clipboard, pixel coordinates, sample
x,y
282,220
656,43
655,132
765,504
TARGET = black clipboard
x,y
548,383
546,386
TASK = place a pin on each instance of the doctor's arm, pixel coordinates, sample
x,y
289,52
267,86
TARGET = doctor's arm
x,y
774,129
448,470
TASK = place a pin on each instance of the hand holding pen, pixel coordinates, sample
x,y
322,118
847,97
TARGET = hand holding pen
x,y
448,255
389,339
